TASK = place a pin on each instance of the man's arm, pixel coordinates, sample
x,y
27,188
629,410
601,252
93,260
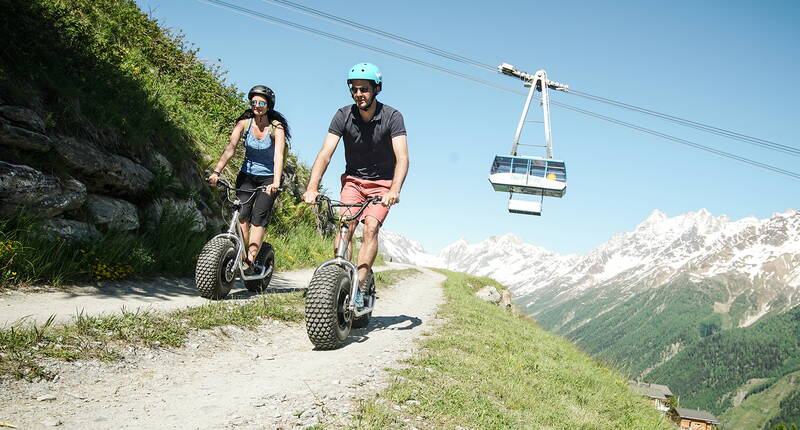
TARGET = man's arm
x,y
400,148
319,167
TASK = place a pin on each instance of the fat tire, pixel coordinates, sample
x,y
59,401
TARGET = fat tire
x,y
210,278
326,324
363,320
266,258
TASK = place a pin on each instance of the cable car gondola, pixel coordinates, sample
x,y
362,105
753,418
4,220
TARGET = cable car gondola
x,y
526,174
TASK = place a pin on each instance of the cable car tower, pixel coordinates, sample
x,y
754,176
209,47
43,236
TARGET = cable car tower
x,y
529,174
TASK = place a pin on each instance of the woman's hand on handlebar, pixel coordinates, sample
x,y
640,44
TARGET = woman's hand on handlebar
x,y
310,197
271,188
213,178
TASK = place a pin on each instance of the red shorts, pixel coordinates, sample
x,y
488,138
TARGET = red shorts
x,y
357,190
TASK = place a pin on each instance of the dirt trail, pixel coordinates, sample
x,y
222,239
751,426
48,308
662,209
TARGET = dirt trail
x,y
233,378
109,297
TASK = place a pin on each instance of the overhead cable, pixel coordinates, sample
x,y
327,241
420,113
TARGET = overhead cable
x,y
694,124
385,34
269,18
487,67
717,152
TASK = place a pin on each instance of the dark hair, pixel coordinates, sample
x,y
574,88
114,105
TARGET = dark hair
x,y
272,115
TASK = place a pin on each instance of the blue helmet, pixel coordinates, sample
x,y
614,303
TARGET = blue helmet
x,y
366,71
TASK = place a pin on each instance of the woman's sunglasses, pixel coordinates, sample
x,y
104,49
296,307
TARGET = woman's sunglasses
x,y
258,103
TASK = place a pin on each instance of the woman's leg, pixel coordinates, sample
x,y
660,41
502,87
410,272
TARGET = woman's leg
x,y
256,239
245,237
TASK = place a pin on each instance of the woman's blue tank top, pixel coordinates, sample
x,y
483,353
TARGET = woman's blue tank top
x,y
259,156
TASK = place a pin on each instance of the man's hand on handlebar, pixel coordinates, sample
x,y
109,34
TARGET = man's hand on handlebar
x,y
390,198
310,197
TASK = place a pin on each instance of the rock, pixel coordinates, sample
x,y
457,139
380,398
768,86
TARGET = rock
x,y
113,214
18,137
412,402
52,422
103,171
24,117
46,398
489,293
188,174
75,395
186,209
23,186
74,231
506,301
158,163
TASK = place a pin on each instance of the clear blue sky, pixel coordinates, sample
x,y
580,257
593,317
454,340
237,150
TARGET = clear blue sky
x,y
731,64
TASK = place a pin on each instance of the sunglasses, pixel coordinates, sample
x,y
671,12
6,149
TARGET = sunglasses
x,y
258,103
364,90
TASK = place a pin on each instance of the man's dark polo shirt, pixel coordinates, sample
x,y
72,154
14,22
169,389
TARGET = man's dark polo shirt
x,y
368,145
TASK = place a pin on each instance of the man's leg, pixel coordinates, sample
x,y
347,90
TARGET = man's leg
x,y
351,230
369,248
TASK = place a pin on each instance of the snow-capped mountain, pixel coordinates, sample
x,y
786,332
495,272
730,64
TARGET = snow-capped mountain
x,y
399,249
764,253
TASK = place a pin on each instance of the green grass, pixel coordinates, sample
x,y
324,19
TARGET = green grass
x,y
22,348
26,257
389,278
486,368
759,408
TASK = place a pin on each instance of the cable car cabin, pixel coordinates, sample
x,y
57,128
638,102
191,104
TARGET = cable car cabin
x,y
529,175
524,207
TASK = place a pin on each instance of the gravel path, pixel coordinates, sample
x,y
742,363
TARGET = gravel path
x,y
232,378
109,297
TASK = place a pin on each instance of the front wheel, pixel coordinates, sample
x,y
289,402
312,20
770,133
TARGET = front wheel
x,y
213,274
265,258
327,320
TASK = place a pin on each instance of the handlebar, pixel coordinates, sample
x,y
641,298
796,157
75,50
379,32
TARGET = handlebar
x,y
337,204
223,183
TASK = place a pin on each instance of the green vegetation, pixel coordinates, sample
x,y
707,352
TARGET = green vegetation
x,y
762,404
636,333
104,72
487,368
27,257
22,347
790,411
706,371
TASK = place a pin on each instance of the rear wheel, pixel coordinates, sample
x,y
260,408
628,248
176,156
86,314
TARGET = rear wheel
x,y
214,271
266,258
363,320
328,321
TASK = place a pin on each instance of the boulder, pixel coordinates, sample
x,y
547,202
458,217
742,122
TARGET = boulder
x,y
103,171
23,186
18,137
113,214
185,208
24,117
506,300
67,229
157,162
489,293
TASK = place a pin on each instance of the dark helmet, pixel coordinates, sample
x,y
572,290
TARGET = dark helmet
x,y
263,91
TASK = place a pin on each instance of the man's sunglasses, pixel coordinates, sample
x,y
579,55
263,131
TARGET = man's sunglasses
x,y
258,103
364,90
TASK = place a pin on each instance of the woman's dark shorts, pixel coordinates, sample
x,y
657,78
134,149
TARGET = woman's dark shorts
x,y
259,208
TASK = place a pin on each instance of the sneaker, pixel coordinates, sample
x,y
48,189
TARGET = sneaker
x,y
249,270
359,299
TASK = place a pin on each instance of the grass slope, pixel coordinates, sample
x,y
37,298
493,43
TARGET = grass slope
x,y
486,368
762,404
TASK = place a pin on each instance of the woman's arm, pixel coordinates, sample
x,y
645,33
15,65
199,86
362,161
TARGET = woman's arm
x,y
280,155
228,152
